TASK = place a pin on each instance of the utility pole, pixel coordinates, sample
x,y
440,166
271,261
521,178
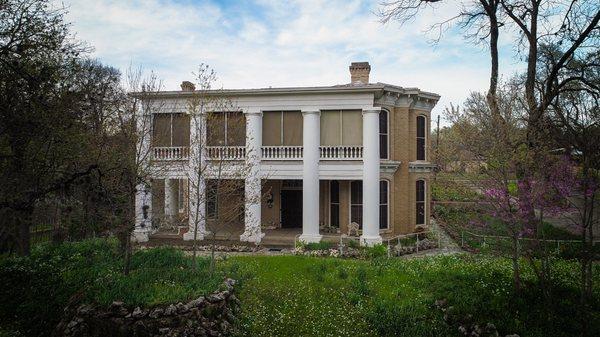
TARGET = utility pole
x,y
437,149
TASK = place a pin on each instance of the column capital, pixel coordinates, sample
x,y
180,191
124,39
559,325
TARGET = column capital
x,y
311,111
375,110
254,112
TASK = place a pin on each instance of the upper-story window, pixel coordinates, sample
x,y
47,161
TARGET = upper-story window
x,y
383,135
170,130
225,129
421,131
341,127
282,128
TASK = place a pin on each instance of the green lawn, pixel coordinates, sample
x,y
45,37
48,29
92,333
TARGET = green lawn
x,y
303,296
295,295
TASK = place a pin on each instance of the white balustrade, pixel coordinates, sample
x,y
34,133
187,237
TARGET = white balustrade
x,y
341,152
170,153
226,152
282,152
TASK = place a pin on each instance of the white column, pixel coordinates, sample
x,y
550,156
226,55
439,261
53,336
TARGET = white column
x,y
143,213
143,195
252,219
370,233
196,183
310,176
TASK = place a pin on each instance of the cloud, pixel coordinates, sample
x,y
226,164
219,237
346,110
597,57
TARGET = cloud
x,y
279,43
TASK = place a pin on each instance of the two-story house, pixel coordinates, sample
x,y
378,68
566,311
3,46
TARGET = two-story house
x,y
317,158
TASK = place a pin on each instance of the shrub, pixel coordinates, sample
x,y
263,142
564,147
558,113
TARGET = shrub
x,y
378,250
35,289
322,245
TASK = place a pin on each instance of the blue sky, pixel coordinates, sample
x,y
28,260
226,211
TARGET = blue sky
x,y
262,43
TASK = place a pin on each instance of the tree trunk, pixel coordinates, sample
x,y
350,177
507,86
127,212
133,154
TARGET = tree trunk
x,y
516,270
24,222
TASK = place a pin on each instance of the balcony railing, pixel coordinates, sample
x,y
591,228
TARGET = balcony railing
x,y
226,152
282,152
171,153
342,152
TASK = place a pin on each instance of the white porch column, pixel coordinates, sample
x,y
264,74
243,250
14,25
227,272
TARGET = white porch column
x,y
370,233
196,183
252,219
143,195
143,213
310,176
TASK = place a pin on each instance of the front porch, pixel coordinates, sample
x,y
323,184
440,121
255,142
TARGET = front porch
x,y
281,210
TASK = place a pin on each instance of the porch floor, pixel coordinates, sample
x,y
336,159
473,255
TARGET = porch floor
x,y
281,237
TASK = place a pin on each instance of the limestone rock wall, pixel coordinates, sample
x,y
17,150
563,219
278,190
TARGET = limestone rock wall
x,y
211,315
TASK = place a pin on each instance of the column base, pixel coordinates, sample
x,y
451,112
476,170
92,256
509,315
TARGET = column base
x,y
310,238
189,236
370,241
252,236
140,236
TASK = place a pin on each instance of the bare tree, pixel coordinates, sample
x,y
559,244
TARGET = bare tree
x,y
134,127
217,163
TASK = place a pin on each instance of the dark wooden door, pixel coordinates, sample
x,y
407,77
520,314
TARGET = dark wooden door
x,y
291,208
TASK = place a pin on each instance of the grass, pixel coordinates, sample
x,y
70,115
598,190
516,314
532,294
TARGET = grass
x,y
37,288
305,296
449,190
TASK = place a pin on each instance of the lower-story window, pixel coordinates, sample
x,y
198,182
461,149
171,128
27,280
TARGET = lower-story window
x,y
356,211
334,203
212,210
420,198
383,204
356,202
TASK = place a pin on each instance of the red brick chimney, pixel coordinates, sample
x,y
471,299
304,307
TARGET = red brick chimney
x,y
359,72
187,86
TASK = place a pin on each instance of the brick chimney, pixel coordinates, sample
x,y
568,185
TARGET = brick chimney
x,y
187,86
359,72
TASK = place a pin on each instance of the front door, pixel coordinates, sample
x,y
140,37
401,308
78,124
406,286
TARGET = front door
x,y
291,208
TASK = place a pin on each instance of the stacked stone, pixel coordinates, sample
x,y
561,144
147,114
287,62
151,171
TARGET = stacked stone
x,y
212,315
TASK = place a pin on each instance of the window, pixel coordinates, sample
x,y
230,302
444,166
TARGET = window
x,y
334,203
182,194
282,128
341,127
226,129
170,130
383,204
421,137
356,202
212,210
420,194
383,134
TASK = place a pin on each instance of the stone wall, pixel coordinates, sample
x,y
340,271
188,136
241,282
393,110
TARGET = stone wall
x,y
211,315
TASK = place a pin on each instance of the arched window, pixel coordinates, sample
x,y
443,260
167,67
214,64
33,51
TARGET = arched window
x,y
383,134
421,131
384,204
420,202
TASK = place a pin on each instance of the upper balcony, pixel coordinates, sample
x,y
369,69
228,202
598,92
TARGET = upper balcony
x,y
277,153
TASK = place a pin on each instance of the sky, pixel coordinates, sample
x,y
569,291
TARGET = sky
x,y
277,43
